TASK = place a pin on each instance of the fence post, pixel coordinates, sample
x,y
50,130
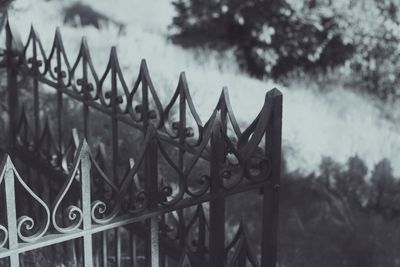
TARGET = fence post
x,y
273,146
86,205
217,205
12,87
11,211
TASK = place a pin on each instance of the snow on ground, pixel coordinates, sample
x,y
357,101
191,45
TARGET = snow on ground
x,y
336,123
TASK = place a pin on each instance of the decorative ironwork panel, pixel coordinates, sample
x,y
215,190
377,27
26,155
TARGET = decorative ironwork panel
x,y
168,197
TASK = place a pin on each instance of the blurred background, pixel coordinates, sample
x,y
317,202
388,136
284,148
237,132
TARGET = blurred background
x,y
337,64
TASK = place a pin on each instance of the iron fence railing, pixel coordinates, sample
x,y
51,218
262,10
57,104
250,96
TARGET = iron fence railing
x,y
80,194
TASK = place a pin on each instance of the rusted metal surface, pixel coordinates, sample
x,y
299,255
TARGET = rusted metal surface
x,y
210,161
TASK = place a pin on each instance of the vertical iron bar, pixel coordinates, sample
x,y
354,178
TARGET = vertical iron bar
x,y
133,242
162,253
155,257
97,255
114,139
241,261
76,251
35,93
12,87
145,97
85,95
182,137
217,206
59,102
273,146
162,257
86,206
36,111
118,254
11,212
114,121
202,233
59,123
151,176
104,249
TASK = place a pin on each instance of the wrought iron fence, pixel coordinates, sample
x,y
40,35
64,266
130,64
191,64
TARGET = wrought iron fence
x,y
178,215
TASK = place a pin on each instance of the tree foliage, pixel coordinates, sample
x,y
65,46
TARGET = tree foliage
x,y
270,37
275,37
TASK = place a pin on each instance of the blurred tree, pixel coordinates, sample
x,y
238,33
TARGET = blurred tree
x,y
273,38
340,217
81,15
269,37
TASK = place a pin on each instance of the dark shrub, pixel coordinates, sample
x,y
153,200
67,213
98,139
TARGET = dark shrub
x,y
269,37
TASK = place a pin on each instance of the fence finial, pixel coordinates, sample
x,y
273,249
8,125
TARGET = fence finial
x,y
84,44
6,164
58,32
113,53
184,261
182,77
274,92
143,64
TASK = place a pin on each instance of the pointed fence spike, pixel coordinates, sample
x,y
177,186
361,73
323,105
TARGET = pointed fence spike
x,y
182,77
143,63
113,53
57,37
6,163
17,44
32,29
184,261
58,31
183,87
144,70
84,45
274,93
241,226
7,173
85,146
222,98
84,40
243,252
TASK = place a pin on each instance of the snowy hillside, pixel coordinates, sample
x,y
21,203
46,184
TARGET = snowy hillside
x,y
337,123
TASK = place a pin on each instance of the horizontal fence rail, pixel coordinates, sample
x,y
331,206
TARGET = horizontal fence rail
x,y
92,193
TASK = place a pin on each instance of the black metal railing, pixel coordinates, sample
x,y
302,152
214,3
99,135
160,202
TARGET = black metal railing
x,y
169,195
